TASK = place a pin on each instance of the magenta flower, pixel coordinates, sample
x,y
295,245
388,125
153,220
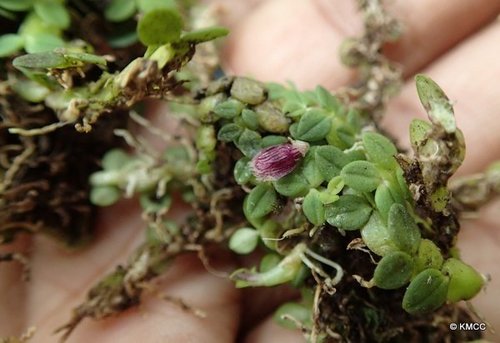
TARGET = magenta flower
x,y
274,162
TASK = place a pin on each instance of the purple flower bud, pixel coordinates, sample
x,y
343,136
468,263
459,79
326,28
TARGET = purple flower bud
x,y
274,162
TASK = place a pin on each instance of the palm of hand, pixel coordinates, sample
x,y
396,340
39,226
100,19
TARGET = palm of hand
x,y
465,65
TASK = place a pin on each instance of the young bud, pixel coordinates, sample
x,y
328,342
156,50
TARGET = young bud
x,y
274,162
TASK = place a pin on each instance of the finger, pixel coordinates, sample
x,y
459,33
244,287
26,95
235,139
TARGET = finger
x,y
13,290
434,27
61,280
298,40
479,243
469,76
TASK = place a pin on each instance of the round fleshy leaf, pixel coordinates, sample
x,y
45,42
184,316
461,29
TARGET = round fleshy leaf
x,y
362,176
268,262
159,27
249,142
10,43
426,292
120,10
115,159
350,212
150,5
104,195
42,42
243,171
302,314
229,132
393,271
465,281
16,5
248,91
244,241
30,90
228,109
53,13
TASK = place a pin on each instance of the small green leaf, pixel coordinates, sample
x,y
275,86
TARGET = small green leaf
x,y
150,5
229,108
268,262
393,271
120,10
436,103
104,195
362,176
428,256
376,236
292,185
402,229
205,34
260,201
243,171
311,170
229,132
250,119
350,212
326,99
273,140
384,200
379,149
16,5
30,90
41,60
205,138
440,199
465,281
243,241
313,126
300,313
10,43
115,159
330,161
249,142
42,42
426,292
159,27
313,208
269,231
53,13
419,131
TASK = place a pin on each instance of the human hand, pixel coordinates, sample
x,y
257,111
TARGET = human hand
x,y
280,40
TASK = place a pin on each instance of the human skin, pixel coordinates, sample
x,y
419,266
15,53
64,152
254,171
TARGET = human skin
x,y
454,42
